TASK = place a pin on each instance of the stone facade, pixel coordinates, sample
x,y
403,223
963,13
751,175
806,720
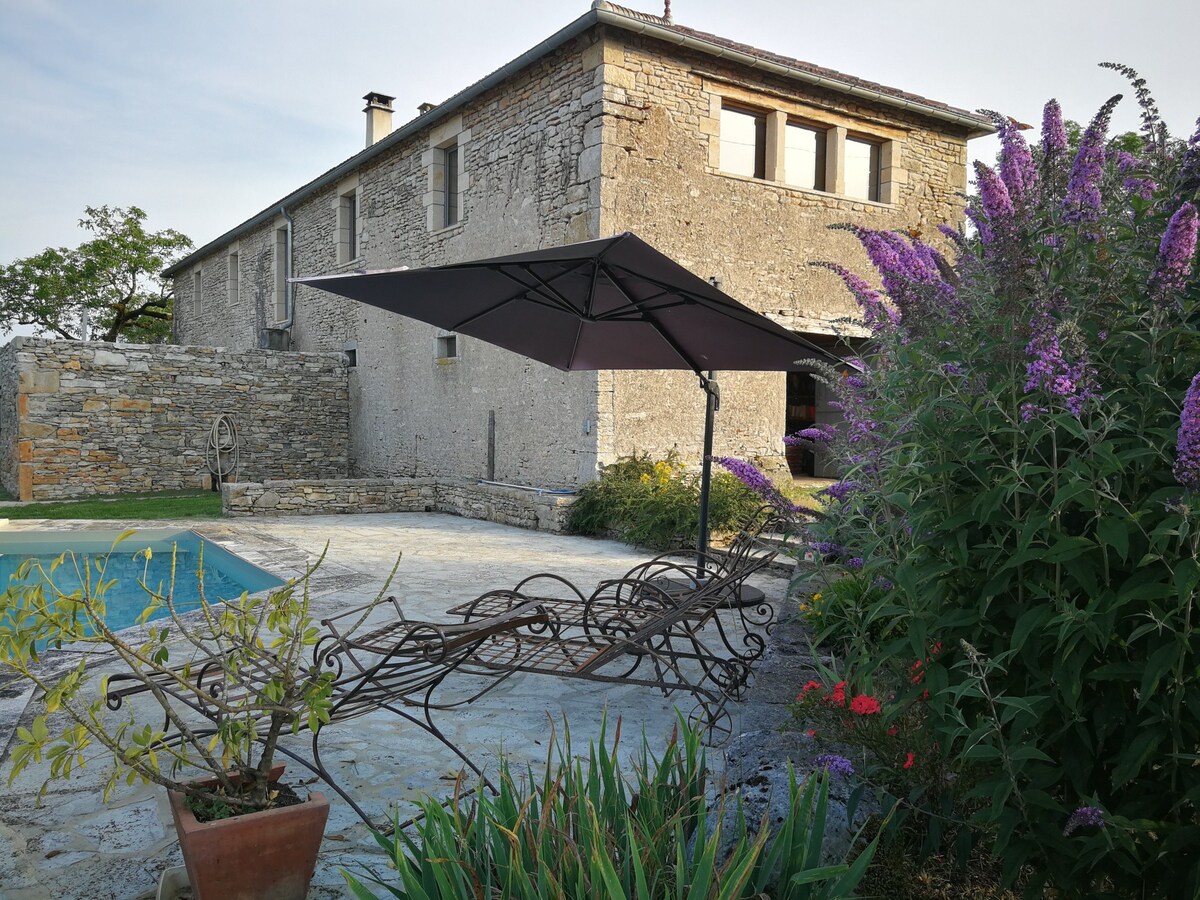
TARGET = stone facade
x,y
496,503
609,130
89,418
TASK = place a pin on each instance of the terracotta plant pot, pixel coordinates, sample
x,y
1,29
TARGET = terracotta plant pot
x,y
269,855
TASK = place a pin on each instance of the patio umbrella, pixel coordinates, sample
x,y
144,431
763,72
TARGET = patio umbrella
x,y
615,303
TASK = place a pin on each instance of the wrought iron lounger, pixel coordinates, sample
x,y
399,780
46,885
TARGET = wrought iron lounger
x,y
396,667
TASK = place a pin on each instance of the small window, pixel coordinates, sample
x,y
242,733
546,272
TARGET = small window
x,y
743,142
281,274
447,346
347,227
234,276
862,169
450,186
197,292
804,157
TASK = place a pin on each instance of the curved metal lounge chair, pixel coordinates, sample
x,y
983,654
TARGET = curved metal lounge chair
x,y
396,667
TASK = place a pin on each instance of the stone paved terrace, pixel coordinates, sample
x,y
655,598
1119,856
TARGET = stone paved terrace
x,y
77,847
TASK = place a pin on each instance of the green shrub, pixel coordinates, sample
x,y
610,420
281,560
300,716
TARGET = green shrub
x,y
656,504
1019,486
583,831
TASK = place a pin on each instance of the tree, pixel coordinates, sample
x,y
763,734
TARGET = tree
x,y
104,289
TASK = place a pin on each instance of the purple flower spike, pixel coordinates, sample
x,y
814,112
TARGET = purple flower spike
x,y
1054,135
1175,254
1187,445
841,490
1189,169
821,434
1017,170
837,765
1084,817
1082,203
995,199
750,476
877,314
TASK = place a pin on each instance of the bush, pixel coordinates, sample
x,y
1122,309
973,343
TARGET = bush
x,y
657,504
583,831
1019,485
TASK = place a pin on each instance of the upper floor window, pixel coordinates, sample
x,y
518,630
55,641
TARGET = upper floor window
x,y
790,143
804,156
347,226
446,162
450,186
281,273
197,291
862,168
743,142
234,278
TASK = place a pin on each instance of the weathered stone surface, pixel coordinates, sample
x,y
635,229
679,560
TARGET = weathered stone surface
x,y
495,503
91,420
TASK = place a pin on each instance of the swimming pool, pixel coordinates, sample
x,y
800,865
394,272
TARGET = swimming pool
x,y
226,575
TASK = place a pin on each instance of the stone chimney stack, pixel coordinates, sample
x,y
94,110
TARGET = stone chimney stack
x,y
379,116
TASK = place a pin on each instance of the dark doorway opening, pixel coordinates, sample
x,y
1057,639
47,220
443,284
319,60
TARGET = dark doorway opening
x,y
801,413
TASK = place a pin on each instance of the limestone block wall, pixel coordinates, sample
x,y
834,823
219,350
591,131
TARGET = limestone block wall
x,y
659,140
527,182
495,503
89,418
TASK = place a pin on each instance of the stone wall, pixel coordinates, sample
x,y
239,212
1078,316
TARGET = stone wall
x,y
496,503
610,132
528,183
89,418
661,178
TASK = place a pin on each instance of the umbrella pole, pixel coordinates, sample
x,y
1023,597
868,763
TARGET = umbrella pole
x,y
712,392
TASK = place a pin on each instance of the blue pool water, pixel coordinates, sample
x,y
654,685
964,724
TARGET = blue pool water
x,y
226,575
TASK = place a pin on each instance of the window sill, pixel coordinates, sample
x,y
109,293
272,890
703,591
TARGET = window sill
x,y
446,360
448,230
351,264
792,189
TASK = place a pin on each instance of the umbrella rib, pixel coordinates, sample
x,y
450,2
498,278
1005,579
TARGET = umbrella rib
x,y
725,309
529,292
670,341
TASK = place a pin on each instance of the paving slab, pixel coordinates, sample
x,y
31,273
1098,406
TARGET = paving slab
x,y
75,846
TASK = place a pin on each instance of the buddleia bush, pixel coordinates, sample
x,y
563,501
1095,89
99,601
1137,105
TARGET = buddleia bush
x,y
1021,483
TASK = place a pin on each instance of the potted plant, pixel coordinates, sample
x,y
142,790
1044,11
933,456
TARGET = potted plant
x,y
205,692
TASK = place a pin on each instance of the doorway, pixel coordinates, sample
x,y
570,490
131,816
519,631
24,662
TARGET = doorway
x,y
801,413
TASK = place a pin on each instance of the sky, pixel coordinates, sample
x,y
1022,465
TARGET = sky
x,y
203,113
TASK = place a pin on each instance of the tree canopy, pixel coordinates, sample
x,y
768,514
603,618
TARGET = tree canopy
x,y
104,289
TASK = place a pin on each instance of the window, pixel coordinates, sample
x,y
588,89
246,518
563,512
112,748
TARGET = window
x,y
197,291
804,156
447,346
281,274
446,163
450,187
347,226
233,280
743,142
862,169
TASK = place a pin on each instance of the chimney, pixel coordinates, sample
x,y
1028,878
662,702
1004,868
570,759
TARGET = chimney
x,y
425,107
379,116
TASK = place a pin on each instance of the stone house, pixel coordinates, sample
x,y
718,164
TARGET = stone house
x,y
730,159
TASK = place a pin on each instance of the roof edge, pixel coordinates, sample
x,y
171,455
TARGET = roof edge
x,y
602,12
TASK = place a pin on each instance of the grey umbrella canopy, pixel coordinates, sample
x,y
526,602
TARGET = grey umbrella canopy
x,y
615,303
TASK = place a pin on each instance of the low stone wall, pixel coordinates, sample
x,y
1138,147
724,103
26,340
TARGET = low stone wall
x,y
495,503
95,418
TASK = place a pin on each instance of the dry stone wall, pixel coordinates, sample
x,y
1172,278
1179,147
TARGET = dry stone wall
x,y
496,503
89,418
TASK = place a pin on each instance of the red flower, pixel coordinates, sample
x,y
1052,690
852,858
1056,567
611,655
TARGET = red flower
x,y
838,695
812,686
865,705
924,695
908,763
811,733
893,731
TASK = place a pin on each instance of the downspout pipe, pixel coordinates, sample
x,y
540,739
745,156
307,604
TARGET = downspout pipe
x,y
289,296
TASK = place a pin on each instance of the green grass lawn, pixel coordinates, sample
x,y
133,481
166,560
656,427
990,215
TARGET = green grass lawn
x,y
164,505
